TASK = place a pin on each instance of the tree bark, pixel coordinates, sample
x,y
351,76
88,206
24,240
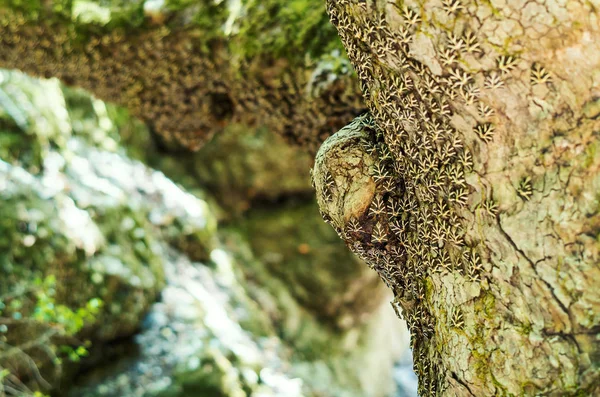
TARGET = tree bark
x,y
473,187
188,69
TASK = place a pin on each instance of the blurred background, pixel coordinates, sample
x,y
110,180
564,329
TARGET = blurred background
x,y
132,267
127,271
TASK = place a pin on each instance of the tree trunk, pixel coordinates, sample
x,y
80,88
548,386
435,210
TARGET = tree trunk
x,y
187,69
473,187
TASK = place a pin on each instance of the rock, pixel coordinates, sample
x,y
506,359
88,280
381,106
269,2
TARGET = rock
x,y
210,373
240,166
235,170
49,238
302,251
208,337
82,230
192,343
350,359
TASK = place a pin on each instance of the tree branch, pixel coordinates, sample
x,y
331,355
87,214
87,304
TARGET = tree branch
x,y
185,71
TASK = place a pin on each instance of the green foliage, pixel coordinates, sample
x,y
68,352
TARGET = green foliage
x,y
33,9
16,145
275,28
129,233
74,354
288,29
91,119
39,303
48,311
208,16
27,7
24,220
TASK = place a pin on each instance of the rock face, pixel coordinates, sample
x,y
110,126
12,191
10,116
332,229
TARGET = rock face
x,y
243,165
300,250
191,342
81,257
325,303
211,334
331,356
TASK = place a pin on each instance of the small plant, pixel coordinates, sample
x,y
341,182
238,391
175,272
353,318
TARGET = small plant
x,y
457,320
48,311
38,303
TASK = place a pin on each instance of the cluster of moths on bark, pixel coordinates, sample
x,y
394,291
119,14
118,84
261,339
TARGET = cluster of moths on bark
x,y
180,80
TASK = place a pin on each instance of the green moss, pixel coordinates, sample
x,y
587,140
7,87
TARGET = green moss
x,y
35,244
286,29
489,305
205,16
133,240
429,288
481,366
83,12
33,10
484,307
29,8
18,146
274,28
25,220
27,133
214,375
196,241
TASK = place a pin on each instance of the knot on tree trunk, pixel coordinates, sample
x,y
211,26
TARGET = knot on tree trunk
x,y
364,196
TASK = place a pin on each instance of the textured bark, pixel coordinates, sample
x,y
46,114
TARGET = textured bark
x,y
188,69
473,187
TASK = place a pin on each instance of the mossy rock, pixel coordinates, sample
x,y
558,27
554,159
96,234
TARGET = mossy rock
x,y
208,374
329,360
30,123
49,237
241,166
72,269
306,254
